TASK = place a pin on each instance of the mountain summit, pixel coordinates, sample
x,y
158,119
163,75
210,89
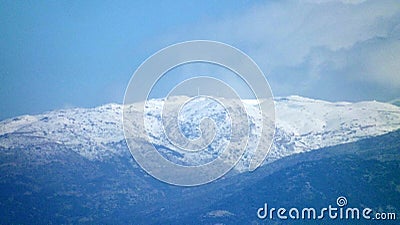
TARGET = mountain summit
x,y
302,124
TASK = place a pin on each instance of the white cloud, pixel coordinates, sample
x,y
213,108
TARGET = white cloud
x,y
342,1
307,45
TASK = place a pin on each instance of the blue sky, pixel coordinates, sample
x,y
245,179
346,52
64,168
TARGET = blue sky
x,y
59,54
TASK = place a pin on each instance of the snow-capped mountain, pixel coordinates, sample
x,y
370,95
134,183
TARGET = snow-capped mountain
x,y
302,124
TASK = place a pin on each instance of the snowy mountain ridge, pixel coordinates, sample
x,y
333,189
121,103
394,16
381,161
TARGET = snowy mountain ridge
x,y
302,124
